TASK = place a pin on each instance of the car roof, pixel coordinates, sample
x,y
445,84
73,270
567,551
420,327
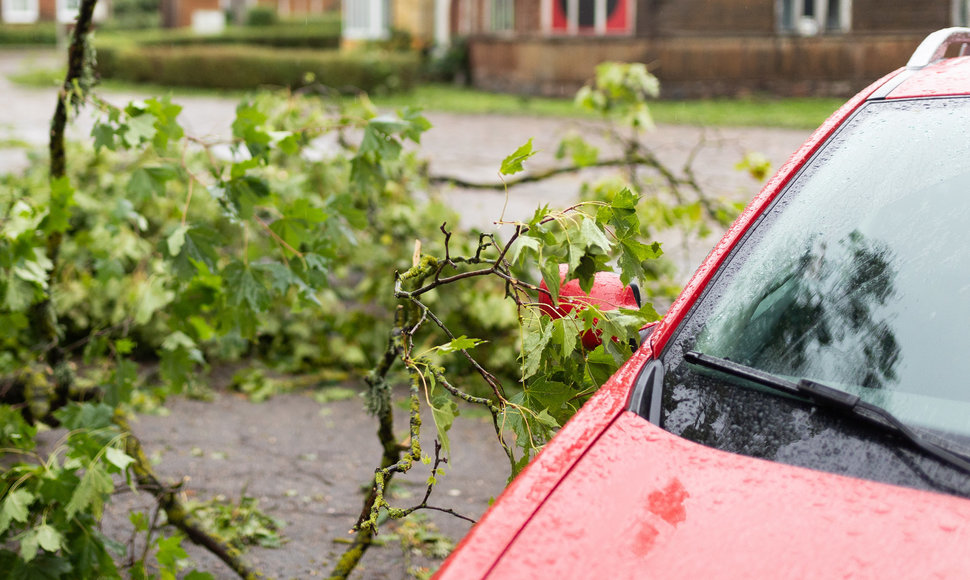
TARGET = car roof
x,y
942,78
929,73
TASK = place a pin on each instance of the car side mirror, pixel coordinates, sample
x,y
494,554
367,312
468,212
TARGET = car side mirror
x,y
607,293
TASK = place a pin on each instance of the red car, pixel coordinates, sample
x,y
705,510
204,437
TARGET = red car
x,y
802,409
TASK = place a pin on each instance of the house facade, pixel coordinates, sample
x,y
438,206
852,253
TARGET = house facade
x,y
28,11
697,47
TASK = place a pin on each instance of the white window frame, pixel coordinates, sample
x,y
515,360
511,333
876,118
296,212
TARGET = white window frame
x,y
366,19
67,11
813,25
572,18
20,15
501,15
960,13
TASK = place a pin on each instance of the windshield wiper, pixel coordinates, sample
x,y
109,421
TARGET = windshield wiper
x,y
824,396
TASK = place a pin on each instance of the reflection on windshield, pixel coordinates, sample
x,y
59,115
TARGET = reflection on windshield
x,y
858,276
819,317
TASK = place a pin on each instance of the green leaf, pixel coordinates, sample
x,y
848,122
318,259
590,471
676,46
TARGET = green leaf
x,y
388,124
443,411
417,124
565,333
549,394
377,145
513,163
29,544
245,192
198,249
44,536
579,150
246,289
460,343
91,492
176,340
90,558
288,143
551,276
118,458
104,136
59,211
522,243
21,219
15,432
120,388
248,126
138,130
139,521
152,297
240,168
149,181
544,418
49,538
15,508
534,343
589,265
166,126
124,346
170,552
592,236
176,240
85,416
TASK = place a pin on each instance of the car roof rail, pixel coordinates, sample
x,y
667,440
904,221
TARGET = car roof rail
x,y
934,46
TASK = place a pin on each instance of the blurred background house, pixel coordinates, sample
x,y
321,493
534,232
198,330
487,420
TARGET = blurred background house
x,y
28,11
697,47
551,47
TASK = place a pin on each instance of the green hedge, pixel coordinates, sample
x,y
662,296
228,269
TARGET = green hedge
x,y
24,34
248,67
312,34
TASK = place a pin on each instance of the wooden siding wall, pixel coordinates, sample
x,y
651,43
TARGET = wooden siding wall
x,y
692,17
694,67
527,17
882,16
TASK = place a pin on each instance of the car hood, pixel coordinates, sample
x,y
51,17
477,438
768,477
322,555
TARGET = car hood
x,y
642,502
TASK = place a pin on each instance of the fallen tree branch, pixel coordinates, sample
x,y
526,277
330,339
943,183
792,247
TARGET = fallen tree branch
x,y
530,178
175,510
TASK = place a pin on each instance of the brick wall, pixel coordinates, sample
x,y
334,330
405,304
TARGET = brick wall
x,y
47,9
694,67
185,8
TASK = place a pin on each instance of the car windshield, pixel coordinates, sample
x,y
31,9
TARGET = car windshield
x,y
859,276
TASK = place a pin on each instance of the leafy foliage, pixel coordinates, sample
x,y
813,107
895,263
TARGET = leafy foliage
x,y
240,523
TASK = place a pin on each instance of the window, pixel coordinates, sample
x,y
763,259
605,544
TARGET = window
x,y
67,10
961,12
366,19
811,17
588,16
502,15
17,11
